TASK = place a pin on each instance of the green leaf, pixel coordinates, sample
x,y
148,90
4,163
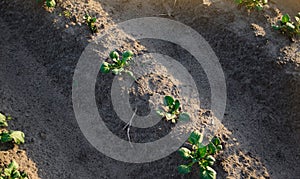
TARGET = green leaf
x,y
216,141
290,25
170,116
259,7
3,122
8,118
207,173
8,171
219,147
161,113
176,105
50,3
211,160
94,19
276,27
265,1
105,67
185,153
17,136
285,18
16,174
239,1
5,137
13,165
184,169
212,148
297,19
202,151
168,101
117,71
24,175
184,117
126,55
114,55
195,138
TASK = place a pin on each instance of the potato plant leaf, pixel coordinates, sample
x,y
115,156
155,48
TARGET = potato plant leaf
x,y
17,136
211,160
184,117
5,137
105,67
168,100
184,169
212,148
285,18
3,122
195,138
114,55
208,173
216,141
202,151
199,154
176,105
184,153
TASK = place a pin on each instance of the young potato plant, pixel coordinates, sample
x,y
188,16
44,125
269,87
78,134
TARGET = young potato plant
x,y
91,22
18,137
200,154
252,4
12,172
4,119
50,3
287,26
118,63
173,112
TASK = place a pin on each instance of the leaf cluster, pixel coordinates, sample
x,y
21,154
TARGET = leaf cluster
x,y
173,112
200,154
17,137
50,3
287,26
118,64
252,4
4,119
12,172
91,22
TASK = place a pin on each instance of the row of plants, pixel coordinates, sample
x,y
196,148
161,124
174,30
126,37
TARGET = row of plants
x,y
252,4
286,25
172,112
11,171
89,20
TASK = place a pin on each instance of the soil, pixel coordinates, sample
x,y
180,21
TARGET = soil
x,y
39,50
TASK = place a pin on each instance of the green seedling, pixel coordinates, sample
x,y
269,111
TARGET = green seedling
x,y
252,4
67,13
173,111
287,26
118,63
17,137
4,119
12,172
200,154
91,22
50,3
